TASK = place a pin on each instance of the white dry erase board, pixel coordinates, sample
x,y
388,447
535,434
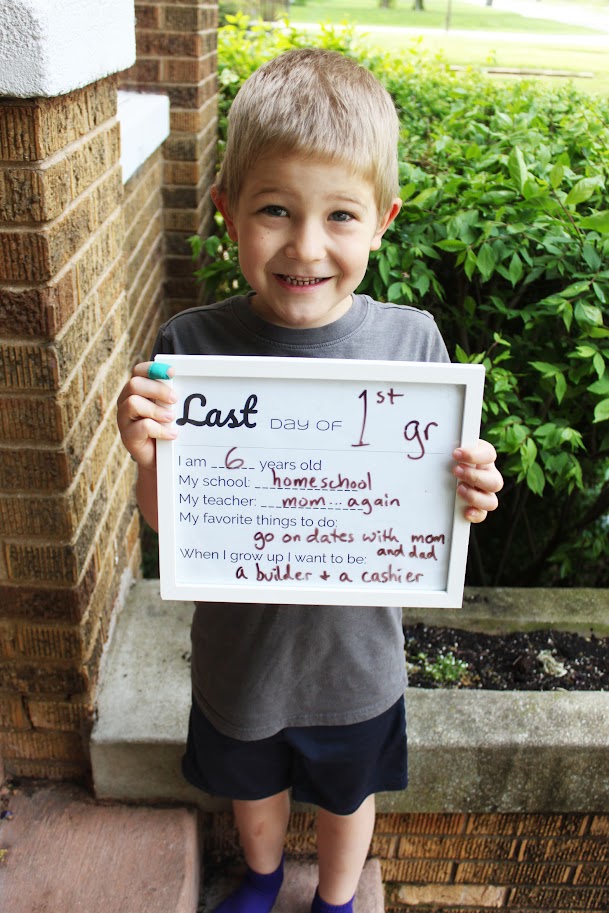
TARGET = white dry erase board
x,y
317,481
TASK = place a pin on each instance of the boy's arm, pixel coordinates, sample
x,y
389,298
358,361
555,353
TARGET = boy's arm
x,y
144,415
479,479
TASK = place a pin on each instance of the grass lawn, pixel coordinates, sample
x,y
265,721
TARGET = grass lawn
x,y
500,51
506,53
464,16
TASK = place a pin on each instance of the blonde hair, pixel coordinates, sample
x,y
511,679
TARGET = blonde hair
x,y
313,103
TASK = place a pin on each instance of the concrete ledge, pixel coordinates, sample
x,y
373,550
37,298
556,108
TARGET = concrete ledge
x,y
50,47
498,610
470,751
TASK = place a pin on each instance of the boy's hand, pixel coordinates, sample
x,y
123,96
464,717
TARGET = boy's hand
x,y
144,414
479,479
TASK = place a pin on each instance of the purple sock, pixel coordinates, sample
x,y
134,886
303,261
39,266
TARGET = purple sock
x,y
320,906
257,893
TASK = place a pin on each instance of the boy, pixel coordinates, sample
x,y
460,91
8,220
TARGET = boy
x,y
308,698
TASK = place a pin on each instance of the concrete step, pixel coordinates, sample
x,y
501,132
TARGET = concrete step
x,y
63,853
299,887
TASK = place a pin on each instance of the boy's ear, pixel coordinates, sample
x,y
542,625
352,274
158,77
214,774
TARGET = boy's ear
x,y
221,204
385,222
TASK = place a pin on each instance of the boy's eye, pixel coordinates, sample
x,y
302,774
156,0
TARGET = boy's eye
x,y
273,210
341,216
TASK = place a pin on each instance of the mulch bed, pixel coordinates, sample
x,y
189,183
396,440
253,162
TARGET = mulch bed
x,y
532,661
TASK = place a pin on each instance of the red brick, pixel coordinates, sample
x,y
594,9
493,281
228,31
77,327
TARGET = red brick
x,y
511,873
37,746
567,849
565,898
590,874
12,713
49,604
428,824
168,44
456,847
600,825
417,871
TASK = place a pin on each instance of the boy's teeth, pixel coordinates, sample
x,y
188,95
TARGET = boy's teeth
x,y
298,280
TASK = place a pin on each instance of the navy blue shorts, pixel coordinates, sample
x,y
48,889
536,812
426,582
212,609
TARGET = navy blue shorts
x,y
333,767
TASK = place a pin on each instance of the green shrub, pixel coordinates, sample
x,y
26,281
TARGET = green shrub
x,y
504,237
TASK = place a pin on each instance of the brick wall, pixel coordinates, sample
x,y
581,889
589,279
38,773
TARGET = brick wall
x,y
176,55
86,269
66,503
471,863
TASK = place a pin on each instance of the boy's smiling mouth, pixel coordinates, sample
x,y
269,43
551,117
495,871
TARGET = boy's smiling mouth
x,y
301,280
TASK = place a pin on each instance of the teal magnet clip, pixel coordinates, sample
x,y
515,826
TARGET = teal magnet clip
x,y
158,371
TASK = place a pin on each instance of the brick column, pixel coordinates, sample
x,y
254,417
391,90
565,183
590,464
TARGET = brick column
x,y
68,528
176,54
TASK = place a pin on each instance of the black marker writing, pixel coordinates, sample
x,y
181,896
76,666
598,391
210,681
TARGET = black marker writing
x,y
214,418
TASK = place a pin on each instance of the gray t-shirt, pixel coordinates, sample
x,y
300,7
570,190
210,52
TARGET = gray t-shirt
x,y
256,668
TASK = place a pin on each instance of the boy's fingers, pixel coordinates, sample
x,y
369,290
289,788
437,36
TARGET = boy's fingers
x,y
485,477
475,515
154,370
139,432
141,386
135,408
481,453
480,500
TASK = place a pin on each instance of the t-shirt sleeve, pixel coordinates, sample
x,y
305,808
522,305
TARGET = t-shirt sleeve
x,y
162,344
439,352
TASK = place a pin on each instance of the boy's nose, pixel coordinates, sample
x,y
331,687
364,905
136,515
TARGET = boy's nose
x,y
305,243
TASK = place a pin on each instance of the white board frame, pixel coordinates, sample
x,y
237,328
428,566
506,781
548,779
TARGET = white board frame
x,y
469,379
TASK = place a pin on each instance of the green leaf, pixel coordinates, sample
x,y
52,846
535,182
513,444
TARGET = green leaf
x,y
588,313
599,364
407,191
600,387
560,387
601,412
516,269
583,190
536,480
599,221
545,368
517,168
384,269
470,264
451,245
486,261
395,291
572,291
421,197
591,256
556,175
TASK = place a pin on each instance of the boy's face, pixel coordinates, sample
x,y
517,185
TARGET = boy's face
x,y
305,229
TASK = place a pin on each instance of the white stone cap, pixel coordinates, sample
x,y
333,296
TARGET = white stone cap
x,y
50,47
144,120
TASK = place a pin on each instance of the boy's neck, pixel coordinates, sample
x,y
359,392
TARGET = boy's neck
x,y
332,317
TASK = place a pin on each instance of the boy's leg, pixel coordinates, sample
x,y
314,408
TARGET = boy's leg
x,y
262,826
343,842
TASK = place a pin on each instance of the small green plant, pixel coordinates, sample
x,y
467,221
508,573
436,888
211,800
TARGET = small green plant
x,y
446,669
